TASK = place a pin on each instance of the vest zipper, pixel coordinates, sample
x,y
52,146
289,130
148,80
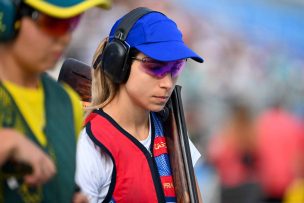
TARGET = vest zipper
x,y
156,179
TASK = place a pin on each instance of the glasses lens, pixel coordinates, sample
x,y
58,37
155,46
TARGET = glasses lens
x,y
57,26
160,69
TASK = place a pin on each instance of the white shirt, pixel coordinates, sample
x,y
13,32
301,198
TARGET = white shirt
x,y
94,167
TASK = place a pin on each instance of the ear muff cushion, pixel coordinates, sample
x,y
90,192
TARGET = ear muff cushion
x,y
114,61
7,20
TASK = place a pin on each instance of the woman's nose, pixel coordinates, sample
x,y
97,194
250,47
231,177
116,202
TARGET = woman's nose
x,y
167,81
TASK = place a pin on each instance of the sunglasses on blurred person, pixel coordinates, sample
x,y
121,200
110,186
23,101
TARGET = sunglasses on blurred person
x,y
159,69
52,26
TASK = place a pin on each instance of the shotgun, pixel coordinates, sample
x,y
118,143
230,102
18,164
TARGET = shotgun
x,y
78,76
179,150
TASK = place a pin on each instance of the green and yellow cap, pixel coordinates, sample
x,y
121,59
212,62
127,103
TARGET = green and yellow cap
x,y
66,8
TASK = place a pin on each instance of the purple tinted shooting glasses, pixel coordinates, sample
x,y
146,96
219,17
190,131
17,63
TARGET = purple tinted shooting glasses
x,y
160,69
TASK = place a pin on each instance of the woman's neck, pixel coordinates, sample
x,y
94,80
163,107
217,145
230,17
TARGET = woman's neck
x,y
11,70
129,116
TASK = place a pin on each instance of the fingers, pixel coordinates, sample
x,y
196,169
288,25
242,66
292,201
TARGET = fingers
x,y
80,198
43,171
42,165
50,168
34,180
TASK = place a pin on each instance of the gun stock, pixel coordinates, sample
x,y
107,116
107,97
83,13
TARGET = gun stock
x,y
179,150
78,75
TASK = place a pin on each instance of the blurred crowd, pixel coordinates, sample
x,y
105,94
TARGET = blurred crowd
x,y
244,106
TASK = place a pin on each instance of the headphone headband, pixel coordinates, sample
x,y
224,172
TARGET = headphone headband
x,y
128,21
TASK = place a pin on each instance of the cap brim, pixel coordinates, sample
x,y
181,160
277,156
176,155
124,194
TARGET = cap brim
x,y
67,11
168,51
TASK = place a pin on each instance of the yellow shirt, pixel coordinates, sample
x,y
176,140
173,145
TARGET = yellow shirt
x,y
295,192
30,102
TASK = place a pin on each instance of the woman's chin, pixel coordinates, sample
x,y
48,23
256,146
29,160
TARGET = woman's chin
x,y
157,108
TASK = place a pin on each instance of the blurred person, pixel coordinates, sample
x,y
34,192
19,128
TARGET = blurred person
x,y
279,148
39,118
232,152
122,154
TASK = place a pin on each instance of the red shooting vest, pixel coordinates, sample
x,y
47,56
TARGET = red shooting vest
x,y
135,177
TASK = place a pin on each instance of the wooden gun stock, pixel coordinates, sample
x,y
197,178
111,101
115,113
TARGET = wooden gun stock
x,y
179,150
78,75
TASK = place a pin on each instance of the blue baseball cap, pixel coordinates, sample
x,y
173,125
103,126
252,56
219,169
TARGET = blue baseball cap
x,y
158,37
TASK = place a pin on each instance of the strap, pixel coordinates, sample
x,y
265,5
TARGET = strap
x,y
128,21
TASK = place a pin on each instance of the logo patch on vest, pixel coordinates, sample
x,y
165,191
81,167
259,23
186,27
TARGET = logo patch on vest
x,y
168,186
160,146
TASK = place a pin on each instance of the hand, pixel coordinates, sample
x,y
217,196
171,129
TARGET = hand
x,y
21,149
80,198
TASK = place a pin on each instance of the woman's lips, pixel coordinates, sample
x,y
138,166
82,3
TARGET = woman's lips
x,y
161,99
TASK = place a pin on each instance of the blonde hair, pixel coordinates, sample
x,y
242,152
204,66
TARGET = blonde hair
x,y
103,89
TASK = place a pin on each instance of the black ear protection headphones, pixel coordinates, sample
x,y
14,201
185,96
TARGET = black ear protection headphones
x,y
8,18
115,56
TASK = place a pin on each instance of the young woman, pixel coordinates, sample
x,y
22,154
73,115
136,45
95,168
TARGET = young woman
x,y
122,154
39,118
